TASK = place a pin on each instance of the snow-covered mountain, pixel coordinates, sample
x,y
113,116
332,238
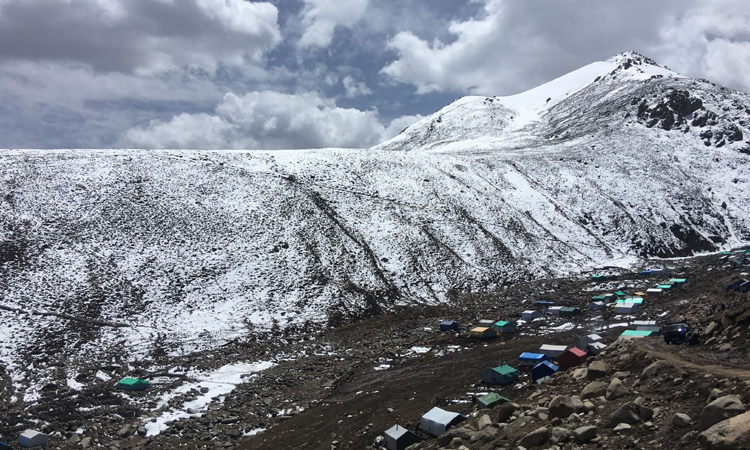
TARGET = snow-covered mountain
x,y
128,253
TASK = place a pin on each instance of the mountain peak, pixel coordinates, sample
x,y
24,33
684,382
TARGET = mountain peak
x,y
626,60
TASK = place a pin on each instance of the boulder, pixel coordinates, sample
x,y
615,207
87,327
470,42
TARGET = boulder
x,y
593,390
507,410
681,420
616,390
535,438
580,373
631,413
561,406
655,369
733,433
485,435
461,432
712,328
597,369
484,421
558,435
621,427
721,409
585,434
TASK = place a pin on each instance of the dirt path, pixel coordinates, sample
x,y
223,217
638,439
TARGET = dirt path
x,y
677,356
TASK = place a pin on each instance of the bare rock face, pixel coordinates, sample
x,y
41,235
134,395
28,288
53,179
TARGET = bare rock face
x,y
616,390
535,438
593,390
729,434
721,409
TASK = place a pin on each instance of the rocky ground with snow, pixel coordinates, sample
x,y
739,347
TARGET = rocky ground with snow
x,y
343,387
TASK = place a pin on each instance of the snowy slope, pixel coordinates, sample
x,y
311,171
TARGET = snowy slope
x,y
128,254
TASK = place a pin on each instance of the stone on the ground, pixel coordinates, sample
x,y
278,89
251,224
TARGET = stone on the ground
x,y
561,406
535,438
585,434
507,410
732,433
631,413
597,369
558,435
654,369
484,421
593,390
461,432
622,427
681,420
616,390
721,409
580,373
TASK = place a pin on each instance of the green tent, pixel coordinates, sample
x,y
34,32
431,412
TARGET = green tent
x,y
619,293
491,400
636,333
569,311
636,300
132,384
678,280
598,298
666,287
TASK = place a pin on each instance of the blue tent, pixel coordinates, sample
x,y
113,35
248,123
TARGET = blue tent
x,y
543,370
449,325
543,303
531,359
646,273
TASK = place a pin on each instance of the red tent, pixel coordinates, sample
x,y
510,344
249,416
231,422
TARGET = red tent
x,y
572,358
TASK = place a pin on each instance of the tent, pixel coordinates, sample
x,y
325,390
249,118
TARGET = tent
x,y
483,333
626,308
573,357
657,271
643,323
32,438
554,310
631,334
544,369
653,291
678,281
610,297
398,438
4,446
553,351
486,323
655,330
500,375
528,359
504,327
132,384
664,287
636,300
646,273
599,298
448,325
437,421
619,293
569,311
595,348
543,303
491,400
584,342
593,306
530,314
744,287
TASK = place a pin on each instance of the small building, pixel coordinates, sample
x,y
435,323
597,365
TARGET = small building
x,y
491,400
653,292
595,306
398,438
573,357
554,310
530,314
619,293
599,298
678,281
657,271
598,278
482,333
504,327
504,374
646,273
664,287
32,438
643,323
437,421
132,384
528,359
595,348
636,300
633,334
552,351
584,342
448,325
654,329
542,371
569,311
485,323
625,308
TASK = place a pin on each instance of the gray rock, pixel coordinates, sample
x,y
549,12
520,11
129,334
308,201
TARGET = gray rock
x,y
461,432
616,390
558,435
621,375
580,373
485,435
507,410
622,427
733,433
681,420
85,442
141,430
721,409
561,406
484,421
233,433
712,328
631,413
124,431
593,390
597,369
535,438
585,434
655,369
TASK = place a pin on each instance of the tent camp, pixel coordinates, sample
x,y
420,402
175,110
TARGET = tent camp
x,y
528,359
485,323
543,370
595,348
625,308
594,306
32,438
448,325
504,374
132,384
530,314
569,311
482,333
552,351
398,438
504,327
573,357
437,421
584,342
491,400
554,310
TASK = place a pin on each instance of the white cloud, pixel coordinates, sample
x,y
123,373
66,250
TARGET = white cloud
x,y
269,120
355,88
136,36
321,17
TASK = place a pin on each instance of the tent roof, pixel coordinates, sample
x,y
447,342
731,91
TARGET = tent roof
x,y
576,351
502,323
441,416
636,333
493,397
131,381
505,370
553,347
396,431
569,308
447,322
529,355
547,364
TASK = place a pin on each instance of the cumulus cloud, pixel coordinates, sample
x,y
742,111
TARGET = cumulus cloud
x,y
355,88
321,17
136,36
269,120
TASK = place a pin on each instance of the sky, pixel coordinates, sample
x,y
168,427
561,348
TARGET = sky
x,y
288,74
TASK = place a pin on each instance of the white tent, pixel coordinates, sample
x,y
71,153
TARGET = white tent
x,y
644,323
398,438
596,305
626,308
32,438
437,421
530,314
554,310
654,291
584,342
552,351
595,348
485,323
